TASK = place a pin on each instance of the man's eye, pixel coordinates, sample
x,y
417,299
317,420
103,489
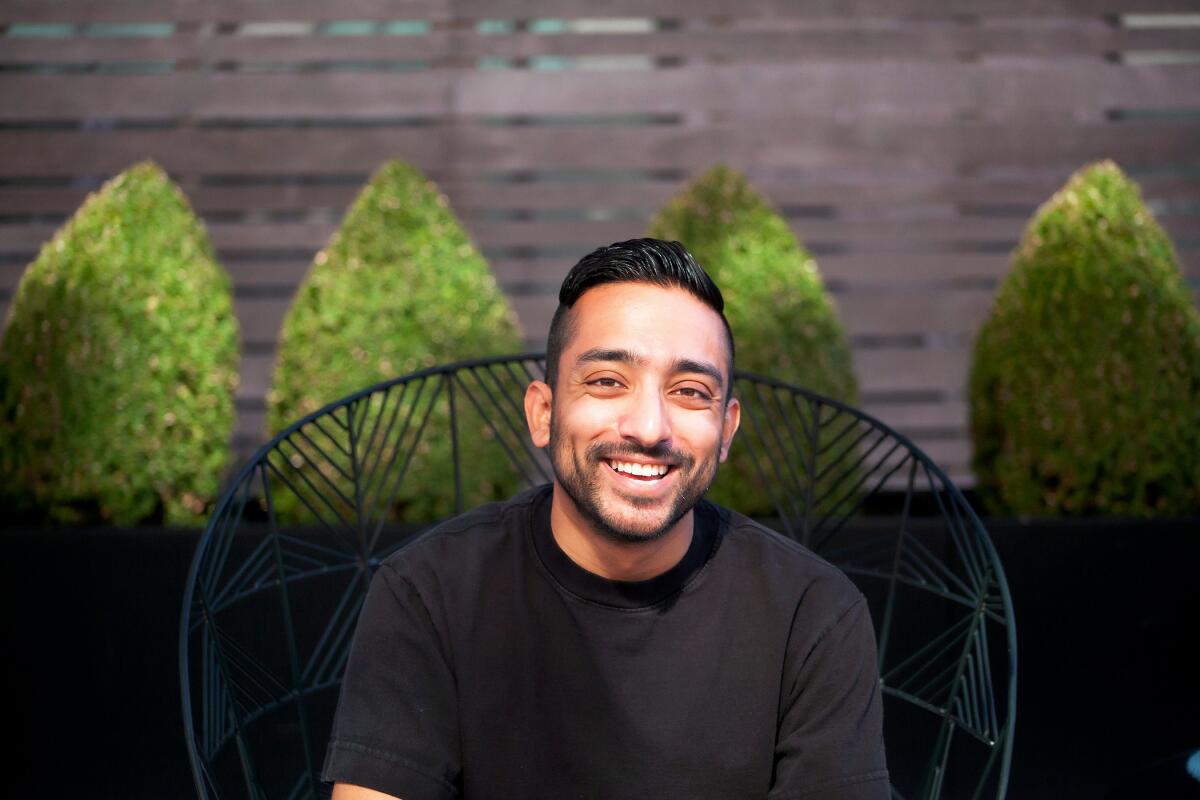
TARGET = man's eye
x,y
605,383
693,393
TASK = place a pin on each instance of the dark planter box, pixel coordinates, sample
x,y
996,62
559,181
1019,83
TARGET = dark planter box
x,y
1107,617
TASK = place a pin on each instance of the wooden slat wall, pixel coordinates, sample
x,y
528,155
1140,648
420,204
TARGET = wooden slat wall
x,y
906,145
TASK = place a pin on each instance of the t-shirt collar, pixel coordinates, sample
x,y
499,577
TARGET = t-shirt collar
x,y
621,594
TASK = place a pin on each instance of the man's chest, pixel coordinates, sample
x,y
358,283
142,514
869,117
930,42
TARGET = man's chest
x,y
681,699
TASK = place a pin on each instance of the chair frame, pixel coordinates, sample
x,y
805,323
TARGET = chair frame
x,y
974,710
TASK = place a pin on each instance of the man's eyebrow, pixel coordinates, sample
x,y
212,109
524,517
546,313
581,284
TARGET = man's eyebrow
x,y
701,367
629,357
621,356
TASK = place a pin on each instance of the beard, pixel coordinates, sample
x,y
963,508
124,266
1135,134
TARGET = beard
x,y
581,478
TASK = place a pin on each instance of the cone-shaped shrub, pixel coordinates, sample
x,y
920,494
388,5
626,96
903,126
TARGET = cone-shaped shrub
x,y
1085,383
118,363
783,322
400,287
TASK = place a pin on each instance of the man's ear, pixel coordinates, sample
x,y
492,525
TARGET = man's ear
x,y
539,401
729,425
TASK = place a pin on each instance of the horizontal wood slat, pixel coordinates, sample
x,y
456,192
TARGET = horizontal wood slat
x,y
206,96
1059,89
864,235
1033,88
319,10
889,190
891,187
912,38
949,416
886,238
763,145
83,11
890,369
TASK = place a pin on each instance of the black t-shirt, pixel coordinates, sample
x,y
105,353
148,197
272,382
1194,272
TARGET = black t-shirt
x,y
487,664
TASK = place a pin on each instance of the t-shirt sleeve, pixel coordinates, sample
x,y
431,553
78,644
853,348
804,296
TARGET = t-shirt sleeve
x,y
396,727
830,740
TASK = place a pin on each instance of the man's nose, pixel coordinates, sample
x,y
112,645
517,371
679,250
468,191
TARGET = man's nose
x,y
647,419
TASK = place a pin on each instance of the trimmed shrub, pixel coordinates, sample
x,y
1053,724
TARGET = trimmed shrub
x,y
1085,381
400,287
783,322
119,362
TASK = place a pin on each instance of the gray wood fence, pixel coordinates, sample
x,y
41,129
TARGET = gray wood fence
x,y
906,143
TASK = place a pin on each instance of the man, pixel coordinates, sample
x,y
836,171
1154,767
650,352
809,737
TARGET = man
x,y
612,635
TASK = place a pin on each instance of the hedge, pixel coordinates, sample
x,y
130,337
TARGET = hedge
x,y
119,363
1085,380
400,287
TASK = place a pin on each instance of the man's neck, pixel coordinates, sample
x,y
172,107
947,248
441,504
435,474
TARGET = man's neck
x,y
619,561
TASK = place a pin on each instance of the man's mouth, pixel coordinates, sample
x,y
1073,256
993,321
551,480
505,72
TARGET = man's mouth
x,y
644,472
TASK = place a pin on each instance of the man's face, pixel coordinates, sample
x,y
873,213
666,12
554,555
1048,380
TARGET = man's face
x,y
640,417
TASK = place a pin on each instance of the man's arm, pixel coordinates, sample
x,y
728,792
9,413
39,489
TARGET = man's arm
x,y
348,791
396,727
830,740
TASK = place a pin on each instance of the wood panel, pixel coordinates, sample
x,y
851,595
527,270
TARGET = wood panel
x,y
914,418
883,253
906,145
776,9
894,370
892,188
195,95
539,279
756,143
1032,88
1061,89
862,236
113,11
81,11
883,191
847,38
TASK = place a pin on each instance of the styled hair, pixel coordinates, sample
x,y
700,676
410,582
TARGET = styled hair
x,y
665,264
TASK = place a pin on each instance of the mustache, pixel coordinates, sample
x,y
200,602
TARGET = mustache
x,y
660,452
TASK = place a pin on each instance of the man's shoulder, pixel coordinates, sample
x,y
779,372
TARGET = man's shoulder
x,y
469,537
778,560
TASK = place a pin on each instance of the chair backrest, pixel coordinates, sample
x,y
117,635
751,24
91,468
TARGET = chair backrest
x,y
281,571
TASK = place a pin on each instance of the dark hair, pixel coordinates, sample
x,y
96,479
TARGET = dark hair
x,y
666,264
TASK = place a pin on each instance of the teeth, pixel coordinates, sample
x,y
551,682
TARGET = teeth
x,y
644,470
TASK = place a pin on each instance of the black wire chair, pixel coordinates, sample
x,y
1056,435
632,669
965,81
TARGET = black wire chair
x,y
281,571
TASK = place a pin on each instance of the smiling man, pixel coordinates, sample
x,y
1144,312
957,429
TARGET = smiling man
x,y
613,635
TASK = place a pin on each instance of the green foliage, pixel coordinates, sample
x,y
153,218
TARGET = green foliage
x,y
1085,382
119,362
400,287
783,322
